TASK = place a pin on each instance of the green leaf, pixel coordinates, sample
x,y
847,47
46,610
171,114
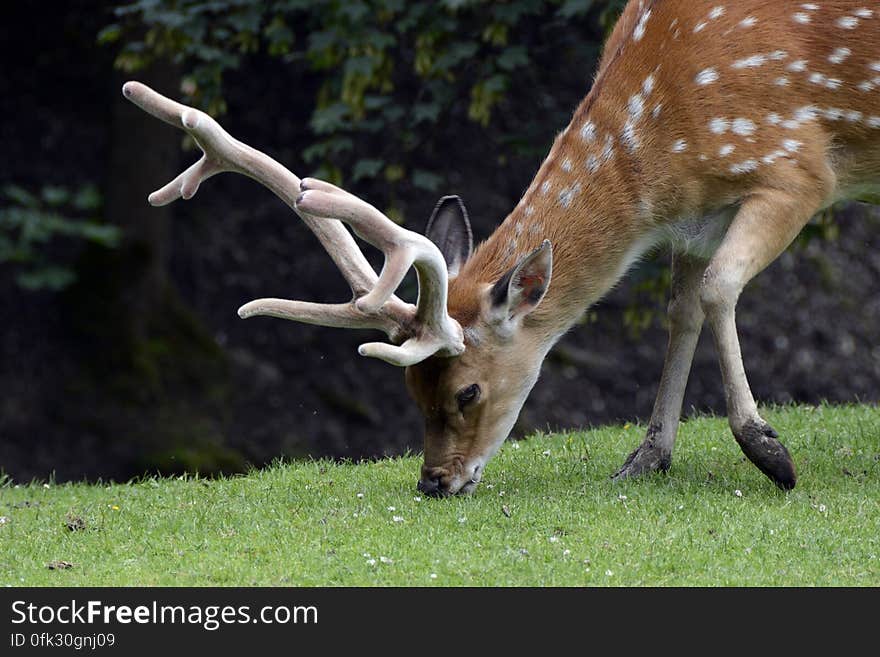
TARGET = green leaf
x,y
426,180
20,196
367,169
513,57
109,34
88,199
572,8
55,196
46,278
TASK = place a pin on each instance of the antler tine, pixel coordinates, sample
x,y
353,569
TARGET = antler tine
x,y
436,331
224,153
426,328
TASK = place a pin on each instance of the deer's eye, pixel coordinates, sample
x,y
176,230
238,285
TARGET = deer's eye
x,y
467,396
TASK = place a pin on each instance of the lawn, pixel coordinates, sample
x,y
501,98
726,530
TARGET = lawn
x,y
546,514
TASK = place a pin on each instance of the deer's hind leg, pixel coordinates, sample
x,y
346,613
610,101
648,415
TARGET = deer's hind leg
x,y
767,222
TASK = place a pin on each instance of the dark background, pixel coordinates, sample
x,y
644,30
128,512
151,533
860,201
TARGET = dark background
x,y
142,365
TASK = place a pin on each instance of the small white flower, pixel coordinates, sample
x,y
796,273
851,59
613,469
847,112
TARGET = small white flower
x,y
397,518
680,507
622,498
515,445
554,539
822,508
738,492
371,562
417,499
565,553
46,486
433,575
392,508
3,520
546,452
360,496
462,520
366,555
609,573
385,560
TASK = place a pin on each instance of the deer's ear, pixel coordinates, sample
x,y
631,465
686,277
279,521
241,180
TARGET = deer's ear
x,y
450,230
521,289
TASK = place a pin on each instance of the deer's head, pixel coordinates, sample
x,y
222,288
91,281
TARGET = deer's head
x,y
470,356
471,401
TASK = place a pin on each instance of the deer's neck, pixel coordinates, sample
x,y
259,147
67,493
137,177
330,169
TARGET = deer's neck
x,y
597,198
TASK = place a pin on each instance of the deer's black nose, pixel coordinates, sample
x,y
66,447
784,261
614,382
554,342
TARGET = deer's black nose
x,y
429,486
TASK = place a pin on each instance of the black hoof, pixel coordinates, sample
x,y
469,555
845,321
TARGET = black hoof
x,y
759,443
646,458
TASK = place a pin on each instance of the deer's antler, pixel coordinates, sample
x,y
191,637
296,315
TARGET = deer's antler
x,y
424,330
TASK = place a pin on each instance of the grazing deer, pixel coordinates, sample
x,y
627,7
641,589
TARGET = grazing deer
x,y
717,127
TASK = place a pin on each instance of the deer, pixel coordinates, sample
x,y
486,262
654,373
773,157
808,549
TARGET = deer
x,y
713,128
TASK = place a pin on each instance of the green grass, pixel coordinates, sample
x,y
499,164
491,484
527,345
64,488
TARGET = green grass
x,y
304,523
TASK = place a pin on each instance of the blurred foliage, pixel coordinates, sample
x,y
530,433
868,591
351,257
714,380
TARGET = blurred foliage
x,y
388,72
36,226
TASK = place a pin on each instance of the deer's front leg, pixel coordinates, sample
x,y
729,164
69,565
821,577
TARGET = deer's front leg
x,y
685,322
764,226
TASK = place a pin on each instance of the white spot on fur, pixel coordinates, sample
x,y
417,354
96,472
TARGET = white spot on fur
x,y
648,85
873,121
874,66
636,106
726,150
588,132
530,210
639,32
748,21
629,137
719,125
774,119
853,116
716,13
744,167
592,164
743,127
777,55
847,22
699,27
566,165
545,187
608,148
867,85
811,6
817,78
750,62
802,17
798,66
839,55
706,76
657,109
567,195
703,158
833,113
772,157
806,113
781,81
792,145
864,13
679,146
